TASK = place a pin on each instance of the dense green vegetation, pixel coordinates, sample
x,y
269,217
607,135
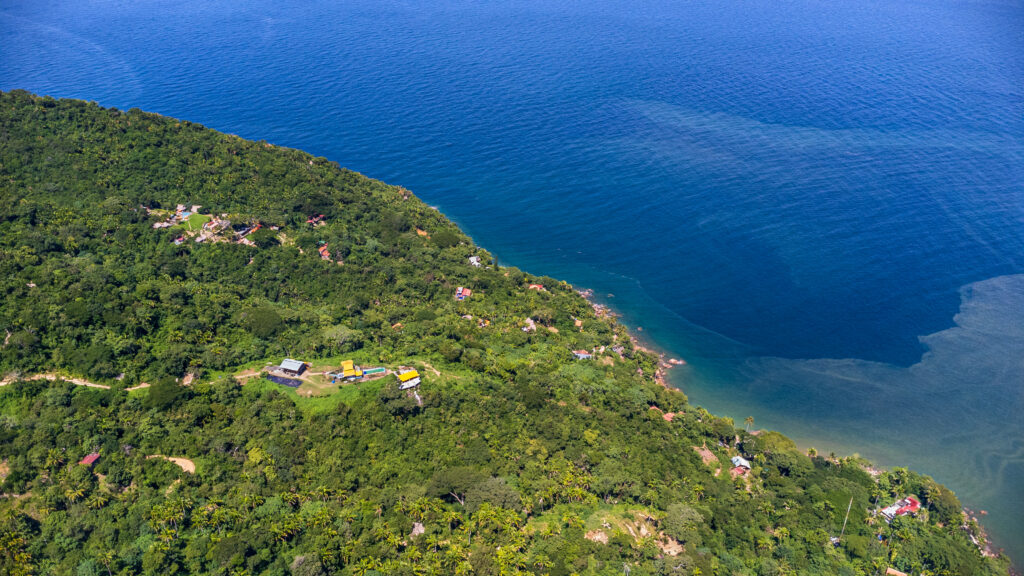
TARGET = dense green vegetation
x,y
515,458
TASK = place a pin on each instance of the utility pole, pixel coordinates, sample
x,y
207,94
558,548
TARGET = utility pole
x,y
848,506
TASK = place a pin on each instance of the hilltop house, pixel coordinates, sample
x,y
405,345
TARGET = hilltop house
x,y
740,462
349,371
292,367
408,379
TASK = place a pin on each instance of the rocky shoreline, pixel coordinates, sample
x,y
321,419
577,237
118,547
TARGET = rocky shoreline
x,y
972,526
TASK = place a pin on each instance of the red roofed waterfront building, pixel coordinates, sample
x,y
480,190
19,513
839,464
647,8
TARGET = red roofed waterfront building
x,y
909,505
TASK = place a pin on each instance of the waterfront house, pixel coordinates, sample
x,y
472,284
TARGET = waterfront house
x,y
292,367
908,505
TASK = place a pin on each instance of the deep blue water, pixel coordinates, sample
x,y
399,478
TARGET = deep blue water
x,y
819,205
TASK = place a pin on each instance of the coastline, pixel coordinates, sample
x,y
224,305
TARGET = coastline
x,y
665,363
972,525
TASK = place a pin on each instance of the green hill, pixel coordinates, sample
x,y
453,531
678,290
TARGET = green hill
x,y
511,457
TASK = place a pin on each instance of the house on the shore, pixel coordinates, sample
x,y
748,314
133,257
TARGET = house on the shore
x,y
582,354
908,505
292,367
90,459
408,379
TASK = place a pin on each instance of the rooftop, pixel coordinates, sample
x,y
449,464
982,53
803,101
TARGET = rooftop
x,y
407,376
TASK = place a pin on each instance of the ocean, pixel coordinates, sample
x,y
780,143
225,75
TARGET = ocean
x,y
819,206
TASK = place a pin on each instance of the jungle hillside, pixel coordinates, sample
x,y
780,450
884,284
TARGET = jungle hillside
x,y
155,275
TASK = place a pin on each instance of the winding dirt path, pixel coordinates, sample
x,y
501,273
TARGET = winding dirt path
x,y
431,368
54,377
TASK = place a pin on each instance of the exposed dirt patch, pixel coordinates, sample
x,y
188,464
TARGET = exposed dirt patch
x,y
669,546
707,456
597,536
183,463
138,387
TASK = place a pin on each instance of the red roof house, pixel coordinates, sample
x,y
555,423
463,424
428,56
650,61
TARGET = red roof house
x,y
908,505
90,459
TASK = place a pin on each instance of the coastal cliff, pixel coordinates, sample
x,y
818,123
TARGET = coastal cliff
x,y
256,362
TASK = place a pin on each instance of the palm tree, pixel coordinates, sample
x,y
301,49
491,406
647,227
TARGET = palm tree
x,y
106,558
698,491
365,565
451,517
749,421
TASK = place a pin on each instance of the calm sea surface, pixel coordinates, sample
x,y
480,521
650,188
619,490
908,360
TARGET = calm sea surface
x,y
819,205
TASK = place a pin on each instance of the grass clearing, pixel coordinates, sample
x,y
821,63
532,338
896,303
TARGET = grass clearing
x,y
195,222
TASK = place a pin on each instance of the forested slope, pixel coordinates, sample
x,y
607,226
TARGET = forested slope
x,y
513,457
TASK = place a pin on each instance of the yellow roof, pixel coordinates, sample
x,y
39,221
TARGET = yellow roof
x,y
405,377
349,372
347,365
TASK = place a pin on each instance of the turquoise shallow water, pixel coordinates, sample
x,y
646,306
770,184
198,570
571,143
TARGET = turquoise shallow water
x,y
820,207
